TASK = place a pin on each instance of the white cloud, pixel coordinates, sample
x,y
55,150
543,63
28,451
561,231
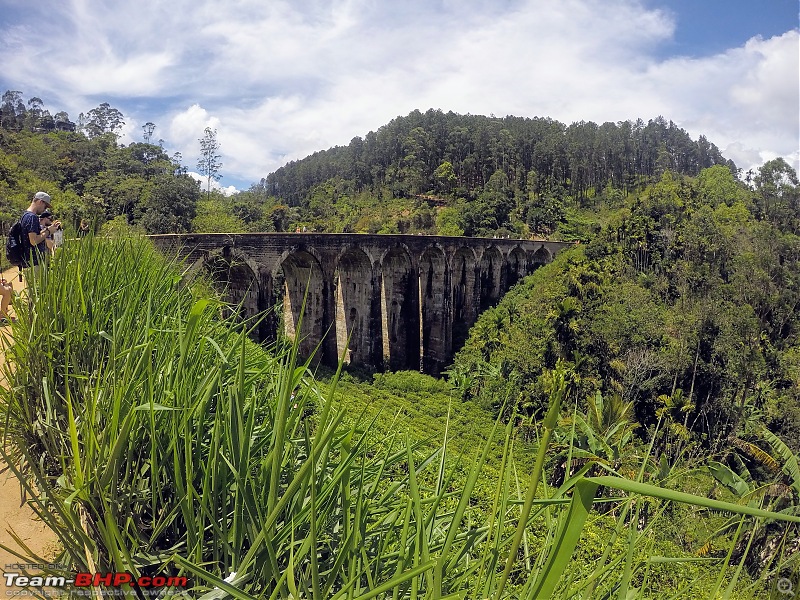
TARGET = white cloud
x,y
746,99
191,123
137,76
282,79
227,190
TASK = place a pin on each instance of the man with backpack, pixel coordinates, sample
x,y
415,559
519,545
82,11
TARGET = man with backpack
x,y
33,232
26,245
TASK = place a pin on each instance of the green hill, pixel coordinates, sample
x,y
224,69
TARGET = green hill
x,y
484,174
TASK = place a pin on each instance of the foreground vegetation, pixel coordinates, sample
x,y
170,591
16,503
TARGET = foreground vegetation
x,y
153,437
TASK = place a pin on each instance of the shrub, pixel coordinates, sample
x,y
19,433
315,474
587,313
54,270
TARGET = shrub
x,y
410,382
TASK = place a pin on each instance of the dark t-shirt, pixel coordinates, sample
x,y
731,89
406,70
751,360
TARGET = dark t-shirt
x,y
30,224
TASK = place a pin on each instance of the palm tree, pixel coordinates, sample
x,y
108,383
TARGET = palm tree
x,y
603,434
672,408
565,323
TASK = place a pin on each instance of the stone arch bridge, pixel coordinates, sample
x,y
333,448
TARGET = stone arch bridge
x,y
387,301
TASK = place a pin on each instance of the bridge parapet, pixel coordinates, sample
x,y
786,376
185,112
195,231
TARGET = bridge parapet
x,y
403,301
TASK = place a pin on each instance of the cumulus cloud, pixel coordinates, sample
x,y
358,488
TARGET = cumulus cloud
x,y
226,190
188,126
282,79
746,100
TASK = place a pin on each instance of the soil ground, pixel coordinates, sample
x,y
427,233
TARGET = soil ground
x,y
14,513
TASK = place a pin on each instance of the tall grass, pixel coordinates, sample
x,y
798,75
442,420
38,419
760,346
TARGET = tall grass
x,y
153,437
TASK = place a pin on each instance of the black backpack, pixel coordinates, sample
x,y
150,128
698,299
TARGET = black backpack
x,y
16,248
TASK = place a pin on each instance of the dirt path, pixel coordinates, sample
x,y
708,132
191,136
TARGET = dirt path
x,y
13,513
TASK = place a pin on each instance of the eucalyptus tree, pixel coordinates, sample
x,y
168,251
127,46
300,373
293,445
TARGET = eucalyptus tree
x,y
35,114
12,110
100,120
778,194
147,131
210,161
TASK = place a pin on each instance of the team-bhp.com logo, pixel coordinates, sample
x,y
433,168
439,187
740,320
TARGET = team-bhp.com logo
x,y
94,580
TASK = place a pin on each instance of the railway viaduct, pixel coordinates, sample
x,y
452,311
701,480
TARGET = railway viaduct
x,y
387,301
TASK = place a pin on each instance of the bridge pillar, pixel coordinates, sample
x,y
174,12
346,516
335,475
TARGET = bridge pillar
x,y
376,333
354,307
330,348
267,329
307,292
491,277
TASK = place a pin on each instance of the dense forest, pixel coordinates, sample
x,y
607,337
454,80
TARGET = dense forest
x,y
89,174
675,320
683,298
457,155
429,172
486,175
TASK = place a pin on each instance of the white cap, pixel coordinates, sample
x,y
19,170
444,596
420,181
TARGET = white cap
x,y
44,196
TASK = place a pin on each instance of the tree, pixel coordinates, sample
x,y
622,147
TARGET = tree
x,y
35,114
497,195
216,216
717,185
100,120
61,121
147,131
12,110
445,177
171,205
209,162
778,194
603,434
544,208
448,222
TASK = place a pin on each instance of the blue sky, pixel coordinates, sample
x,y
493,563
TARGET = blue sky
x,y
704,27
281,79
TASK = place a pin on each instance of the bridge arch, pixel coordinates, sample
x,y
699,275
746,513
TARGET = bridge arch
x,y
436,319
516,266
464,283
238,279
399,309
538,258
354,279
491,277
298,278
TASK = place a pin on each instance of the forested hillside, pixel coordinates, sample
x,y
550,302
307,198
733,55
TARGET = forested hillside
x,y
88,173
676,316
491,175
432,172
685,303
